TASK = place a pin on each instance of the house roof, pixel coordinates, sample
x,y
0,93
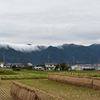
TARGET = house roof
x,y
50,63
41,65
16,63
1,62
8,64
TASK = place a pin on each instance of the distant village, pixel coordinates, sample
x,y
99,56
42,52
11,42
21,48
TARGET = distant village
x,y
52,66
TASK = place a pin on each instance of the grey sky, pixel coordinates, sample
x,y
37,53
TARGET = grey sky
x,y
53,22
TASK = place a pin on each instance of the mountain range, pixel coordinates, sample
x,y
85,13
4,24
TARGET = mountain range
x,y
69,53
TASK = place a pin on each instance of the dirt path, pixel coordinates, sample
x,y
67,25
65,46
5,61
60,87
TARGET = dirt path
x,y
5,90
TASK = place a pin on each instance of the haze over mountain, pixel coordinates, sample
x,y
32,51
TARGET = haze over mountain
x,y
69,53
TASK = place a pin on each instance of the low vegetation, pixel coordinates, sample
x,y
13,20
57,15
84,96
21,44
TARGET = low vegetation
x,y
92,73
9,74
6,74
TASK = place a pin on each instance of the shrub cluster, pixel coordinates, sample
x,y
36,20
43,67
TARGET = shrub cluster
x,y
16,68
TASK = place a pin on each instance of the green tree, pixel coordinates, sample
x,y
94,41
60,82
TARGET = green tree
x,y
64,66
14,66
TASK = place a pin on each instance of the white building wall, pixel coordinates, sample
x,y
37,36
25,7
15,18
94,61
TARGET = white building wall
x,y
1,65
38,67
76,67
50,66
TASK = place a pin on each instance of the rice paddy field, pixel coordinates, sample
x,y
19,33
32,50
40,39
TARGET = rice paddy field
x,y
52,90
49,90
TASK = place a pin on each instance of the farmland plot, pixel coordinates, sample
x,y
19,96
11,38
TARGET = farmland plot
x,y
5,90
51,90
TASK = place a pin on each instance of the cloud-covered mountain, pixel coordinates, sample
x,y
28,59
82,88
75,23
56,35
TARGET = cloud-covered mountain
x,y
22,47
69,53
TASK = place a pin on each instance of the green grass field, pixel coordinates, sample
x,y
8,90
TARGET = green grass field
x,y
6,74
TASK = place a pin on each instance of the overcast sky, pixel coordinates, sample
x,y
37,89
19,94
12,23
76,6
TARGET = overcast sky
x,y
50,22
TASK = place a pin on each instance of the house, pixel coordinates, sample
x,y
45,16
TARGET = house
x,y
8,65
46,66
2,65
88,67
50,66
41,66
16,64
83,67
76,67
97,66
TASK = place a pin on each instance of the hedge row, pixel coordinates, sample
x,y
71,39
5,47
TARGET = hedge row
x,y
77,80
23,92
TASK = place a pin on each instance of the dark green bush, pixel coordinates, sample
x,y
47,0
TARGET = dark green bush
x,y
16,69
